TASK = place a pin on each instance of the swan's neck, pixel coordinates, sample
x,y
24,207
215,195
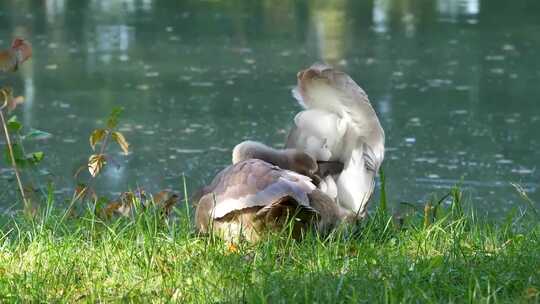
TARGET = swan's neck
x,y
251,149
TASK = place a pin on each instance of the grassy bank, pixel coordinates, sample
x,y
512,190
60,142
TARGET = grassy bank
x,y
453,257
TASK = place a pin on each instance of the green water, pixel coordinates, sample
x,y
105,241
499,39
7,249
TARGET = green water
x,y
455,84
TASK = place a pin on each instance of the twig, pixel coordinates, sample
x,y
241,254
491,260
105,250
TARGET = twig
x,y
10,148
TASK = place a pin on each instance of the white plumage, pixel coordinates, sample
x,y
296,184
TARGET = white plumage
x,y
339,124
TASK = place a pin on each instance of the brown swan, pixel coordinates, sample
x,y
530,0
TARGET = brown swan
x,y
260,192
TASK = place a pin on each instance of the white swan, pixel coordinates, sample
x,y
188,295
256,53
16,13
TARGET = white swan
x,y
339,124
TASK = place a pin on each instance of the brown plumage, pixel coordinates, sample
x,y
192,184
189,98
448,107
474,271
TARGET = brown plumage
x,y
251,197
289,159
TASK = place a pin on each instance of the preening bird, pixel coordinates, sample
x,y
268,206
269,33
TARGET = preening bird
x,y
339,124
12,58
325,176
289,159
254,196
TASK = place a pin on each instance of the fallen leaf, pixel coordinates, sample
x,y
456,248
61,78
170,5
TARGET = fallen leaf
x,y
112,208
232,248
124,204
531,293
165,200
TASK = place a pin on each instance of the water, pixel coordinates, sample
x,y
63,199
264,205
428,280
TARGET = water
x,y
455,84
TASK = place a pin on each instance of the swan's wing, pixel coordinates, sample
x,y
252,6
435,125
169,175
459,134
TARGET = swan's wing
x,y
318,133
255,183
322,87
356,182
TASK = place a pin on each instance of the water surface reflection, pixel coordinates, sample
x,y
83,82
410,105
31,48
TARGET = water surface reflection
x,y
455,83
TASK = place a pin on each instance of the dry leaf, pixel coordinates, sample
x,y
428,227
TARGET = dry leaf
x,y
166,201
97,136
12,58
8,100
161,196
123,205
232,248
115,207
96,163
121,140
531,293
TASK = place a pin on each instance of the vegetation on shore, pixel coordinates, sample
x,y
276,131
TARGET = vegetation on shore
x,y
439,253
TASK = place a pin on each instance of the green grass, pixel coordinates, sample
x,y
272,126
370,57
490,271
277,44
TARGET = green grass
x,y
452,257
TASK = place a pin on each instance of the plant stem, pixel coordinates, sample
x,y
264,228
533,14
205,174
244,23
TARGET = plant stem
x,y
13,162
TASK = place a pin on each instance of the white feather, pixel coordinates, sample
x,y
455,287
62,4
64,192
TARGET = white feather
x,y
339,123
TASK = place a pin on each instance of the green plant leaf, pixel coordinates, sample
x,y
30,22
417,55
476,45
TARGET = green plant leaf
x,y
37,135
18,154
121,141
97,136
35,158
14,125
112,121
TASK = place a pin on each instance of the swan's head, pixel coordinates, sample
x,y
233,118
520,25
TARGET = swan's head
x,y
302,163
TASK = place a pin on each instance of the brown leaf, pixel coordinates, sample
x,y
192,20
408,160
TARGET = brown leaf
x,y
161,197
122,206
165,200
110,209
232,248
531,293
97,136
12,58
96,163
169,204
22,49
121,140
8,100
